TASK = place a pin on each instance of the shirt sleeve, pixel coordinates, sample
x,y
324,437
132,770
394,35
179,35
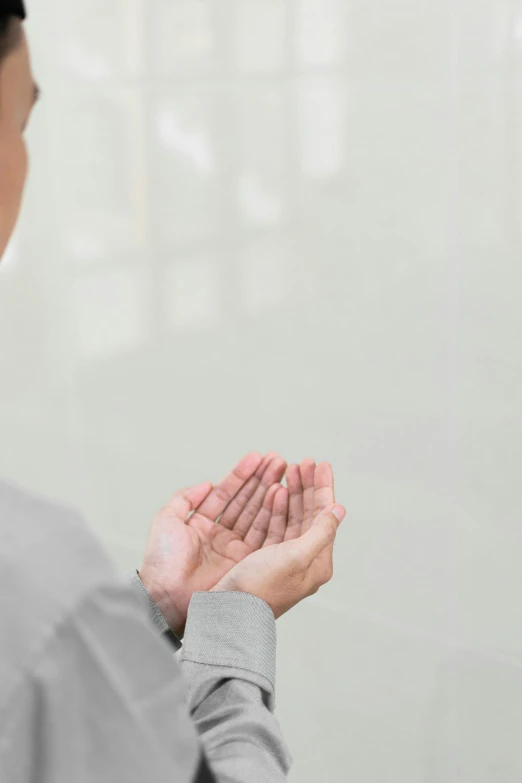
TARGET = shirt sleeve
x,y
106,700
154,612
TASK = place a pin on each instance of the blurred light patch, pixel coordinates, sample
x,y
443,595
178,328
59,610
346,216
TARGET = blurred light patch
x,y
257,202
133,38
85,65
87,248
190,143
261,35
95,234
108,312
319,30
264,273
183,37
320,127
264,152
192,293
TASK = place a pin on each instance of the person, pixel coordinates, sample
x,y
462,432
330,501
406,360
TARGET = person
x,y
89,687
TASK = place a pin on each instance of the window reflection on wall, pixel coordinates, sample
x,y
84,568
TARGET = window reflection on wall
x,y
96,39
319,32
261,35
185,193
264,279
164,164
320,126
262,179
100,165
182,37
133,41
108,311
192,292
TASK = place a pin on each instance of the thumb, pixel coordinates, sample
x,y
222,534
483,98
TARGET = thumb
x,y
185,501
322,532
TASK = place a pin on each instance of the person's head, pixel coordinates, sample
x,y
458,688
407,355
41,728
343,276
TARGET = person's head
x,y
18,93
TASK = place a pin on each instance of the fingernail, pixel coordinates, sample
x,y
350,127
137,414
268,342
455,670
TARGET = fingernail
x,y
339,513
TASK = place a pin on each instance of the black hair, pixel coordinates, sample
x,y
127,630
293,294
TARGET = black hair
x,y
10,35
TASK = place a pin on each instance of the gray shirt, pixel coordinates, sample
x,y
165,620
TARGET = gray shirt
x,y
89,689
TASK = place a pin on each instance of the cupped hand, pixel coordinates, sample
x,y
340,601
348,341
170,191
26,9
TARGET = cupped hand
x,y
285,573
188,552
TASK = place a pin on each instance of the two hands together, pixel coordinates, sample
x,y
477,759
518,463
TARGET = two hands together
x,y
248,533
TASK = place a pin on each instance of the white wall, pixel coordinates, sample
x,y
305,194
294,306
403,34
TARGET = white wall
x,y
295,226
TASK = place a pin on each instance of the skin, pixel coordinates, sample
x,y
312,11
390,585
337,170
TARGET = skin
x,y
205,530
197,553
18,94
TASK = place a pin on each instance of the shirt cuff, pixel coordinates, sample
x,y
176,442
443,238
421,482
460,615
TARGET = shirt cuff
x,y
232,629
154,613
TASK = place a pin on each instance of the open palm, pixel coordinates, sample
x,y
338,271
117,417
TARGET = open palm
x,y
188,552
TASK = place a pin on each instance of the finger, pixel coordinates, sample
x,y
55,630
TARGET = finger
x,y
272,475
182,504
295,502
279,518
244,507
323,488
319,538
246,493
259,528
323,566
324,498
307,470
225,491
234,508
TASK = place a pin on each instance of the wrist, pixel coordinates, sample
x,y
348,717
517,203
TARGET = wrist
x,y
173,616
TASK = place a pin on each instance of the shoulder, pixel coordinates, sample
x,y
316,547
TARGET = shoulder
x,y
49,561
46,538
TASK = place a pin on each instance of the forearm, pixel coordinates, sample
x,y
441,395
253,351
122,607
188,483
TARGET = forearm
x,y
229,663
155,613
